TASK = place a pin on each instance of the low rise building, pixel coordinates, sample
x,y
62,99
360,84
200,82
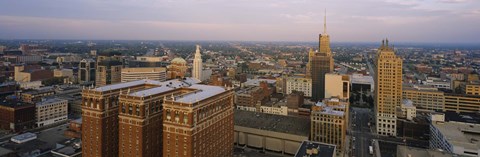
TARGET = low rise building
x,y
133,74
51,111
17,116
424,98
360,82
407,110
270,132
300,84
462,103
455,137
33,96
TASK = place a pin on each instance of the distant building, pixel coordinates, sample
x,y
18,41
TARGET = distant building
x,y
145,61
300,84
315,149
197,65
108,69
133,74
177,68
30,85
455,137
249,96
86,71
329,122
23,59
33,96
67,73
74,129
388,89
17,116
25,73
51,111
295,100
281,85
337,85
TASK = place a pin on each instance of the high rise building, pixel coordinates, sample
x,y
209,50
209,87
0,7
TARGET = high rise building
x,y
86,71
197,65
133,74
198,122
109,67
388,93
321,64
308,73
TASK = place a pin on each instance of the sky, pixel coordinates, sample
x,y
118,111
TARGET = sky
x,y
432,21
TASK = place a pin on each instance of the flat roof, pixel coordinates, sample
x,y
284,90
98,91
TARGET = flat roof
x,y
164,87
203,92
271,122
466,135
322,149
49,101
188,80
256,82
413,151
361,79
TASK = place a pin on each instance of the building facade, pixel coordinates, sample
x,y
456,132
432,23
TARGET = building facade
x,y
133,74
51,111
461,103
388,93
337,85
177,68
198,122
428,99
329,122
300,84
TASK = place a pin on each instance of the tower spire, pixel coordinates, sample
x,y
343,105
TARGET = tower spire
x,y
325,22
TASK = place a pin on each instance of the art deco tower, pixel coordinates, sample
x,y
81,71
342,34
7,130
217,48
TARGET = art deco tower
x,y
388,85
311,53
197,65
321,63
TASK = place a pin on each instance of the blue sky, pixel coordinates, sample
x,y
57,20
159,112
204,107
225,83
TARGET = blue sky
x,y
456,21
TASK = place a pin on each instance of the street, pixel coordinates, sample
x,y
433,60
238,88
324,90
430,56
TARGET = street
x,y
360,131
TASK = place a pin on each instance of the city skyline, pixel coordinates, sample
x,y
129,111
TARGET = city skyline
x,y
450,21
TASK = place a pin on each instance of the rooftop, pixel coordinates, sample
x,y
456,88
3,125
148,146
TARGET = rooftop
x,y
49,101
466,135
171,83
361,79
256,82
315,149
271,122
162,86
203,92
413,151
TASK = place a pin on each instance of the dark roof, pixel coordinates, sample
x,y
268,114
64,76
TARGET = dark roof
x,y
324,150
14,103
112,53
463,117
110,63
270,122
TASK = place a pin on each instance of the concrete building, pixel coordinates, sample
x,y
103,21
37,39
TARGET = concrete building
x,y
51,111
66,73
148,61
315,149
429,99
86,71
281,85
405,151
462,103
269,132
455,137
197,69
33,96
300,84
198,121
337,85
108,69
388,93
329,121
30,85
249,96
133,74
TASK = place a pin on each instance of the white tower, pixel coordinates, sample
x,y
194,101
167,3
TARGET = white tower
x,y
197,65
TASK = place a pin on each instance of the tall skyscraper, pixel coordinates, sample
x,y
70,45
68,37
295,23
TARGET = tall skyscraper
x,y
308,72
199,122
321,63
197,64
109,68
388,86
